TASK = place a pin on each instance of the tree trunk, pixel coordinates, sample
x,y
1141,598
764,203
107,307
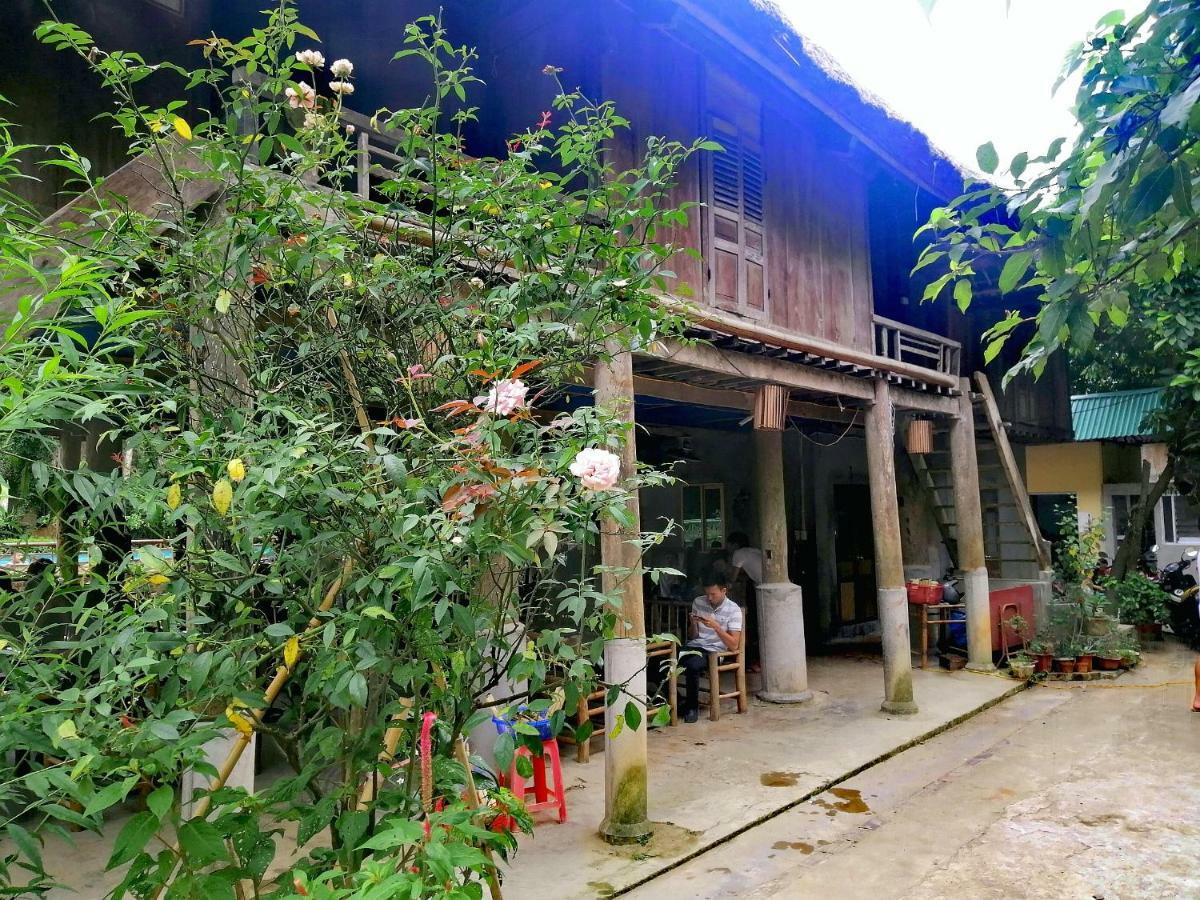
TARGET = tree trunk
x,y
1139,517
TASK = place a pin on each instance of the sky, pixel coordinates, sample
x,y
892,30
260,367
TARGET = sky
x,y
969,73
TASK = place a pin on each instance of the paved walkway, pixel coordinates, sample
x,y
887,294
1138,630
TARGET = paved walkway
x,y
1068,793
710,780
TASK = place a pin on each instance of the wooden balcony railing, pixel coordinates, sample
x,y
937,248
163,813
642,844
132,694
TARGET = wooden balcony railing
x,y
914,346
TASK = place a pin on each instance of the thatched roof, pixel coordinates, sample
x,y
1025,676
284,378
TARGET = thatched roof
x,y
769,37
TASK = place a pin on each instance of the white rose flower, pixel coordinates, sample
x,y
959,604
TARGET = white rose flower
x,y
342,68
505,397
344,88
596,469
312,58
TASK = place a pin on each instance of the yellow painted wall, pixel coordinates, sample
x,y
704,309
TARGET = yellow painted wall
x,y
1075,468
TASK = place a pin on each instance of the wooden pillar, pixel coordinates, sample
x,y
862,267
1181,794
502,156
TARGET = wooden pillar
x,y
625,806
779,603
889,562
968,515
771,500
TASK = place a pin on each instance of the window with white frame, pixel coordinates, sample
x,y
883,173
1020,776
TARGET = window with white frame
x,y
1181,519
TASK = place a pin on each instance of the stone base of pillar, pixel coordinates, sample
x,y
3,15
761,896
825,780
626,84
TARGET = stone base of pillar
x,y
625,817
897,652
979,620
1043,596
781,643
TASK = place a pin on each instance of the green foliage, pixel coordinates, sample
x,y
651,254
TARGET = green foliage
x,y
343,415
1140,601
1106,227
1077,553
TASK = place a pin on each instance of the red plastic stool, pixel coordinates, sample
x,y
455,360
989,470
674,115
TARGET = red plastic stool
x,y
544,796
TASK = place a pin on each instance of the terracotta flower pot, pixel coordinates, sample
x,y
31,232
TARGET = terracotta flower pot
x,y
1108,663
1042,662
1083,662
1065,664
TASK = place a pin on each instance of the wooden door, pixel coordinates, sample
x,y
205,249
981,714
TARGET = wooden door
x,y
854,544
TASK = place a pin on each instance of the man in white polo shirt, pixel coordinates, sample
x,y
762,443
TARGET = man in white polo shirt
x,y
715,624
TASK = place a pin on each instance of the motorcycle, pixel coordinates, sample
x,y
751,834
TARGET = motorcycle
x,y
1175,578
1182,589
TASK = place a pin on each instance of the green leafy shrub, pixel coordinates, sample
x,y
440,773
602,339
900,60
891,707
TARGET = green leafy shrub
x,y
352,432
1139,600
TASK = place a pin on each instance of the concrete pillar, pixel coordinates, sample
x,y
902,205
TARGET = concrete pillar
x,y
968,514
781,644
780,603
625,808
889,562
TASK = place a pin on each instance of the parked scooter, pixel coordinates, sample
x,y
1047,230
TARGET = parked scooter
x,y
1175,578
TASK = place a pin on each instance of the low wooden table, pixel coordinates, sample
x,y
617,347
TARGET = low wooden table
x,y
941,609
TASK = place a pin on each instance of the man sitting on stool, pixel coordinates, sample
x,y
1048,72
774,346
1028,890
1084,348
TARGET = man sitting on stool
x,y
714,624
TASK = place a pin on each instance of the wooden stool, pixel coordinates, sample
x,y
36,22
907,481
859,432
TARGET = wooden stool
x,y
727,661
545,796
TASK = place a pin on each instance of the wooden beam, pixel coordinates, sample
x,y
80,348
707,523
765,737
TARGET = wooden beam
x,y
744,365
680,392
1008,462
839,354
937,404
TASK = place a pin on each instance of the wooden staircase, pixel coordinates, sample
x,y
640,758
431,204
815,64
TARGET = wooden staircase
x,y
1012,544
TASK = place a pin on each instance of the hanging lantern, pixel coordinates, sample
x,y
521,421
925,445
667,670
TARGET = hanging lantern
x,y
770,407
920,436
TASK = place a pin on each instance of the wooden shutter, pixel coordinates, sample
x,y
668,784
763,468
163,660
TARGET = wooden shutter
x,y
736,240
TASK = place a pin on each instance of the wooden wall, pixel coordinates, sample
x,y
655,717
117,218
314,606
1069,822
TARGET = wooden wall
x,y
818,262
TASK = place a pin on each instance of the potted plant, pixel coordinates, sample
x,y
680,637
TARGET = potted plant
x,y
1020,629
1083,656
1042,650
1064,655
1107,652
1142,603
1129,649
1021,667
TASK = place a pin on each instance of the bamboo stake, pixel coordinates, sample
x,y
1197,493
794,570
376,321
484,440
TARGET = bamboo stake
x,y
464,758
391,739
256,716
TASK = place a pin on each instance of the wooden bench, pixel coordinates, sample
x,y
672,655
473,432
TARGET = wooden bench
x,y
594,705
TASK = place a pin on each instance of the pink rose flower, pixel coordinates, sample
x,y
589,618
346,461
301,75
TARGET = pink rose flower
x,y
596,469
303,95
504,398
417,371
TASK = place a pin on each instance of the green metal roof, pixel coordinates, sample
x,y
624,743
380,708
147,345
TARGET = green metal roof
x,y
1115,416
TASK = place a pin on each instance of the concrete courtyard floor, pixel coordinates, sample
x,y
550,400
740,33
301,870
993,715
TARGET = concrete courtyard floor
x,y
1066,792
711,780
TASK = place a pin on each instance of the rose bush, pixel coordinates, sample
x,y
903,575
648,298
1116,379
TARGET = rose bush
x,y
355,558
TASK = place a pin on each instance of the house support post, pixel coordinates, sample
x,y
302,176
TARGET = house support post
x,y
968,515
889,563
625,806
780,604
